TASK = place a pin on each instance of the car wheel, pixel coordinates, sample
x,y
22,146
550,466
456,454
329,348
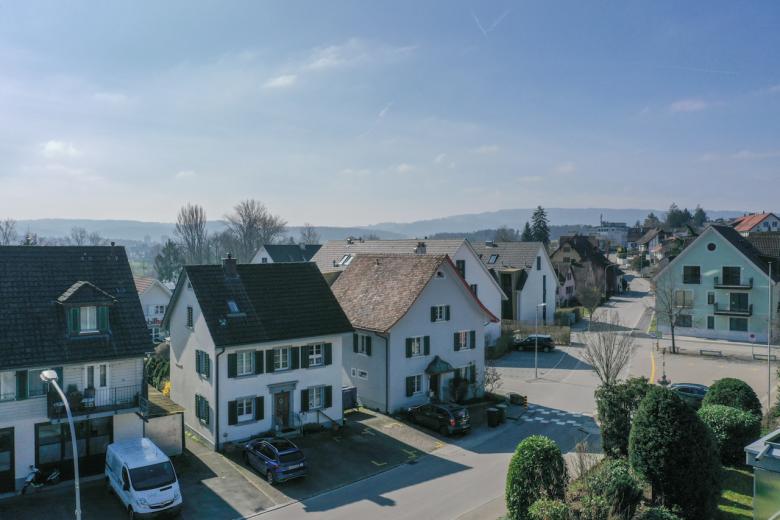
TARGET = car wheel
x,y
547,349
443,430
269,477
130,513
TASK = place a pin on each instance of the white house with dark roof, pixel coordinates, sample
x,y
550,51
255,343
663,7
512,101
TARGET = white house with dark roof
x,y
255,348
417,330
154,298
73,310
279,253
337,255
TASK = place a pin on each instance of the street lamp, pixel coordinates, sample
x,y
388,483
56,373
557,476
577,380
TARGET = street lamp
x,y
769,344
50,376
536,341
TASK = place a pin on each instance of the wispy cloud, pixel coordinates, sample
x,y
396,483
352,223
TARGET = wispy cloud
x,y
185,174
690,105
59,149
353,52
496,22
111,98
283,81
384,111
751,155
565,168
404,168
440,158
486,149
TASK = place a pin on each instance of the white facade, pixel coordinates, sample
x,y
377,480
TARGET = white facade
x,y
541,286
615,233
154,301
262,257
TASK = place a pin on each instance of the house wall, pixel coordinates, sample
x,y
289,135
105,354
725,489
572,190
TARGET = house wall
x,y
371,391
711,263
531,295
262,257
464,315
770,223
155,295
487,291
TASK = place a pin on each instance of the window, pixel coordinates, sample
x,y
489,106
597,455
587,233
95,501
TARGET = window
x,y
159,309
440,313
439,274
362,374
683,299
691,274
684,320
414,385
88,321
264,260
711,247
363,344
316,357
710,298
245,363
233,307
492,259
567,259
316,397
538,263
464,340
7,386
731,275
738,324
461,266
202,411
473,288
245,409
417,346
35,387
189,316
282,358
710,322
345,260
739,302
202,363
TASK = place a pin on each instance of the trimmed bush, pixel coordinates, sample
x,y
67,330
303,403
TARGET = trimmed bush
x,y
676,453
656,513
616,405
615,481
548,509
537,470
735,393
733,428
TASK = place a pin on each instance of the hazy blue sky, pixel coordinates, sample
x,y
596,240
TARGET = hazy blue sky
x,y
358,112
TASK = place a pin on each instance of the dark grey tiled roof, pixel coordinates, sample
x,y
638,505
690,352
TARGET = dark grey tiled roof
x,y
517,255
747,249
34,328
768,244
281,253
275,302
83,292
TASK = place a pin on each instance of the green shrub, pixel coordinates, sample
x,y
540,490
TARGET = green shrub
x,y
733,428
735,393
656,513
676,453
614,480
537,470
616,405
593,507
549,509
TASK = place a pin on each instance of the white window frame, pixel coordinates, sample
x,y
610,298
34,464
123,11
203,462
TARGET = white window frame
x,y
316,397
316,359
353,372
242,405
441,313
687,302
98,369
88,319
492,259
463,337
346,259
7,385
362,374
282,362
362,342
244,367
419,342
418,384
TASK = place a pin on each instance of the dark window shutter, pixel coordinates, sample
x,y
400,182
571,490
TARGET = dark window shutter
x,y
258,361
328,353
74,320
207,360
409,386
368,345
426,345
305,400
232,413
197,361
408,347
197,406
259,408
328,396
305,352
295,354
102,318
473,374
447,313
457,373
472,339
21,384
456,341
206,411
433,313
269,360
355,340
232,365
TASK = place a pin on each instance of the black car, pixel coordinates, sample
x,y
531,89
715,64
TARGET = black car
x,y
691,393
446,419
278,459
546,343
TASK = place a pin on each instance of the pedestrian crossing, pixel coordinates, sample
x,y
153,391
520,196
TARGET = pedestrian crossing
x,y
544,415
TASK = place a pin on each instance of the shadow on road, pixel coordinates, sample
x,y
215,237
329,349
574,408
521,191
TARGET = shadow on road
x,y
557,359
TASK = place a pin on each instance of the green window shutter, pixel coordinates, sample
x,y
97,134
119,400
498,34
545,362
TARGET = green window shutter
x,y
473,374
472,339
409,386
305,400
305,351
269,360
457,373
206,411
355,340
456,341
197,406
74,320
295,354
102,318
328,353
197,361
21,384
368,345
232,365
446,313
259,408
328,396
426,345
232,413
258,361
433,313
207,362
408,347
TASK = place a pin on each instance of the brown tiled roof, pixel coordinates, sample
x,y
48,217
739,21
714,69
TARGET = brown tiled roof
x,y
142,283
333,251
748,222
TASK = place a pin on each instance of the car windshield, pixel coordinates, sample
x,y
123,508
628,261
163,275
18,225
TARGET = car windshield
x,y
291,457
151,477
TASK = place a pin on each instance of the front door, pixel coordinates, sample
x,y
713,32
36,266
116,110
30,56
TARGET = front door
x,y
96,385
282,409
7,483
435,386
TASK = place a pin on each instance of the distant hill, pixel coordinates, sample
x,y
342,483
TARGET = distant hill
x,y
516,218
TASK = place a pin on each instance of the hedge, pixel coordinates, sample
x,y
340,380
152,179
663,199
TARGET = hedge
x,y
615,482
735,393
616,405
733,428
537,470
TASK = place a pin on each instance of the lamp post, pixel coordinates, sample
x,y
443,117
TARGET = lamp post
x,y
536,341
50,376
769,346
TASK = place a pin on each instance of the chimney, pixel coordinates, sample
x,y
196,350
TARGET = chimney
x,y
420,249
349,240
229,266
490,243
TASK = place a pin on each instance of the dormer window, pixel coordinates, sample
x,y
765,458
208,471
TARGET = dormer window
x,y
88,321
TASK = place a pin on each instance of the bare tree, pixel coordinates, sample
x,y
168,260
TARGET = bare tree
x,y
589,295
491,380
670,304
252,225
191,232
8,234
95,239
309,235
78,236
584,461
608,348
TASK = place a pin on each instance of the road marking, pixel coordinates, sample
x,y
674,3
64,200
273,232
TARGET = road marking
x,y
411,453
652,367
379,464
368,432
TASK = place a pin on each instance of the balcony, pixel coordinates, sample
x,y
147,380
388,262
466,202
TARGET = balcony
x,y
732,283
94,401
733,311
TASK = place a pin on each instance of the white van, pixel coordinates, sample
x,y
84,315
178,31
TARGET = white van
x,y
143,478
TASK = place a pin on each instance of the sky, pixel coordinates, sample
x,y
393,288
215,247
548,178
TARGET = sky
x,y
354,112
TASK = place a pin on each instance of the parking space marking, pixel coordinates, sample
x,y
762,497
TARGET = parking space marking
x,y
411,453
379,464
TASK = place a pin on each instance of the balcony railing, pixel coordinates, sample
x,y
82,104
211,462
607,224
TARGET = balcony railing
x,y
730,283
94,400
733,311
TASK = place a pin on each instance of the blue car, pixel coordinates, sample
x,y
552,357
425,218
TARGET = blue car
x,y
278,460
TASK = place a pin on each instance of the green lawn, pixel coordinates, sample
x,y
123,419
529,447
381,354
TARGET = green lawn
x,y
736,499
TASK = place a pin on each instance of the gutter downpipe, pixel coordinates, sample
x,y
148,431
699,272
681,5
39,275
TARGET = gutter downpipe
x,y
216,399
387,370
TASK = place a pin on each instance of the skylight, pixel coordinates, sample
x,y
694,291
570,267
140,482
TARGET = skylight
x,y
233,307
492,259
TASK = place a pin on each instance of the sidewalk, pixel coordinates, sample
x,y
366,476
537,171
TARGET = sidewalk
x,y
692,345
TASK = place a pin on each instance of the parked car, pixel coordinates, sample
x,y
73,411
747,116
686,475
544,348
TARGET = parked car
x,y
143,478
446,419
279,460
691,393
546,343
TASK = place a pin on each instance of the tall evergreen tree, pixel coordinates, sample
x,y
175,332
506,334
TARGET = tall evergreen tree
x,y
528,235
168,262
652,221
540,227
699,216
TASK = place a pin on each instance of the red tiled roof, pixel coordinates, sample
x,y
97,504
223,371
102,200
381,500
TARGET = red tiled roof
x,y
748,222
142,283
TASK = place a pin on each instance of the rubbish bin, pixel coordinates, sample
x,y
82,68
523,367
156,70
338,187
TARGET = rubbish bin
x,y
493,418
501,412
